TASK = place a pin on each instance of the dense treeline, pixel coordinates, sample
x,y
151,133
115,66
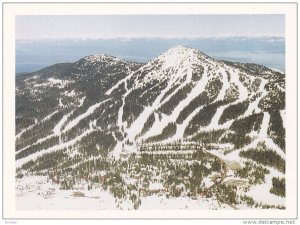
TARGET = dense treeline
x,y
265,156
131,110
172,89
42,104
203,118
48,143
106,115
213,87
227,194
75,131
181,94
148,124
274,100
276,130
50,161
251,85
96,143
234,111
23,123
167,132
254,173
200,100
241,128
247,124
149,95
96,78
209,137
197,73
85,106
239,140
232,93
40,130
278,186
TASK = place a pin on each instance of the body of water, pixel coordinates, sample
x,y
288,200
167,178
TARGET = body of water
x,y
34,55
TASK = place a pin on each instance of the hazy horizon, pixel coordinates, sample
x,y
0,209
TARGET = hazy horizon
x,y
35,55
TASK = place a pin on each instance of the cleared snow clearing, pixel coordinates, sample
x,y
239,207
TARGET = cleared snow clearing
x,y
70,94
60,83
38,193
261,193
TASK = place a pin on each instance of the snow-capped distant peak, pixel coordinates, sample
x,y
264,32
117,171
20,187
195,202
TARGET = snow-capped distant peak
x,y
101,58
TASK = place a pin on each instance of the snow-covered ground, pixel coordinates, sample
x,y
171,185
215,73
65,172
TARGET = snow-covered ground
x,y
39,193
261,193
155,202
53,82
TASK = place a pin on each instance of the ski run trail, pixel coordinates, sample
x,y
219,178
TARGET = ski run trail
x,y
159,125
89,111
58,131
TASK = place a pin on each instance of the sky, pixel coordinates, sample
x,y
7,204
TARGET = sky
x,y
45,40
149,26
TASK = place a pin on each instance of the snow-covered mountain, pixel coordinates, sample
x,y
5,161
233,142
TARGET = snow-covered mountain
x,y
180,111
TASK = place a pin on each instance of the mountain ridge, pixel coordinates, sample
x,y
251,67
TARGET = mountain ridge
x,y
102,107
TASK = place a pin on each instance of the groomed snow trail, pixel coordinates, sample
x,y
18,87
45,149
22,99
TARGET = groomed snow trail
x,y
89,111
137,126
159,125
117,149
225,84
243,95
253,106
263,137
60,146
31,126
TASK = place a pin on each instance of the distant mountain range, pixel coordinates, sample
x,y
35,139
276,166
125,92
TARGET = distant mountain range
x,y
37,54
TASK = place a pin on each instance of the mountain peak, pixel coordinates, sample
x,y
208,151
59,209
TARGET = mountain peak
x,y
180,54
101,58
180,50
